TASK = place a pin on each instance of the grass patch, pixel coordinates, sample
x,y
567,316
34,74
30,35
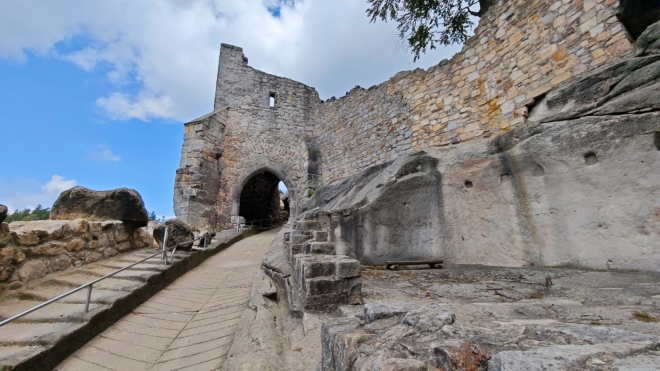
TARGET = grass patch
x,y
596,323
645,317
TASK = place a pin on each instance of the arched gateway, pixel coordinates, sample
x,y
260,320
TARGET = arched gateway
x,y
234,157
257,197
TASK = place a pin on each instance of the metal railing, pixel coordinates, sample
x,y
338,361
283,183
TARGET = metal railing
x,y
162,252
240,226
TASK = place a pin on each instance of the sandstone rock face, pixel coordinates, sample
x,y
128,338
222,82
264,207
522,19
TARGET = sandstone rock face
x,y
121,204
426,340
649,41
178,232
3,213
10,258
6,237
32,269
429,318
32,249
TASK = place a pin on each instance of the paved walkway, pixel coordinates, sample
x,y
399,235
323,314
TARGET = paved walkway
x,y
187,326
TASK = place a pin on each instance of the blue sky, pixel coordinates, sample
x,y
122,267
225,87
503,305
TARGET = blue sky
x,y
51,125
95,93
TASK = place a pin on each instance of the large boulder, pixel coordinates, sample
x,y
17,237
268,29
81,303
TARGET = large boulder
x,y
121,204
178,232
3,213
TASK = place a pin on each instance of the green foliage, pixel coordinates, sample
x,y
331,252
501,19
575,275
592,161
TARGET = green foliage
x,y
39,213
154,217
427,23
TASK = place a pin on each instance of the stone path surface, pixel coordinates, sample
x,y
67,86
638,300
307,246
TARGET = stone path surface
x,y
187,326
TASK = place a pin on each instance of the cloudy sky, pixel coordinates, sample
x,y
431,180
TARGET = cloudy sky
x,y
94,92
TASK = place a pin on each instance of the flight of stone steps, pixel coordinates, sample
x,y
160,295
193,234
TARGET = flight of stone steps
x,y
322,280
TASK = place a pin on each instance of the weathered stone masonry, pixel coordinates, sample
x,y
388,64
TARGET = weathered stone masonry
x,y
520,50
243,137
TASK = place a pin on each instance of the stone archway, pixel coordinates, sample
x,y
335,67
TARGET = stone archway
x,y
256,191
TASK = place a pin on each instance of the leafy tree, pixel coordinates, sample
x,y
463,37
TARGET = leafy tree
x,y
427,23
39,213
154,217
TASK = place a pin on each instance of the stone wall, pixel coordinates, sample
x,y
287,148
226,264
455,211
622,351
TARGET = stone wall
x,y
30,250
220,154
577,186
198,176
521,49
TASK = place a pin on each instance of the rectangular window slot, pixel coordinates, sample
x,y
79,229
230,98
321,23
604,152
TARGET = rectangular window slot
x,y
272,99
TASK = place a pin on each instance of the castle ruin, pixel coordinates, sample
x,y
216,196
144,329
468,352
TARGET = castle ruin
x,y
475,160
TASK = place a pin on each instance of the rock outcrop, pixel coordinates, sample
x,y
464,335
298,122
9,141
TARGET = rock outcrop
x,y
178,233
3,213
121,204
428,339
649,41
637,15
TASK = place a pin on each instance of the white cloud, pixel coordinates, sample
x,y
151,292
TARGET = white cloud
x,y
170,48
104,154
30,193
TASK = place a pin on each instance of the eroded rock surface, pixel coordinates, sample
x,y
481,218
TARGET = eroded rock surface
x,y
3,213
482,318
178,233
649,41
121,204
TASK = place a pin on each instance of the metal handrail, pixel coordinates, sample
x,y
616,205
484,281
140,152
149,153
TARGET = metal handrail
x,y
239,226
162,252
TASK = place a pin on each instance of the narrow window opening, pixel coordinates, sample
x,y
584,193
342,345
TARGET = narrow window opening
x,y
271,100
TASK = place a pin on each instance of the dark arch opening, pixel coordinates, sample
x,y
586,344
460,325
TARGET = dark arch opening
x,y
261,200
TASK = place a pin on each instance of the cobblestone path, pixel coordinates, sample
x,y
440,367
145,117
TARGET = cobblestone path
x,y
187,326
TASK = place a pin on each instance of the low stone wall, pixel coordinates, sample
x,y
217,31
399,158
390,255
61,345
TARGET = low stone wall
x,y
31,250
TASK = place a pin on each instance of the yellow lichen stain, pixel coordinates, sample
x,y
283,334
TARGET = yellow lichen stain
x,y
494,112
482,86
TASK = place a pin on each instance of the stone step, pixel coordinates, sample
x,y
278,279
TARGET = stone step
x,y
308,225
339,266
327,248
300,238
294,249
320,236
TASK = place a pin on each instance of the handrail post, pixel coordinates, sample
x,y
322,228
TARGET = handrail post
x,y
164,254
89,297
